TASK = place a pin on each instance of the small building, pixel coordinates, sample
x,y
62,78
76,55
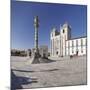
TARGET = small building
x,y
18,52
43,50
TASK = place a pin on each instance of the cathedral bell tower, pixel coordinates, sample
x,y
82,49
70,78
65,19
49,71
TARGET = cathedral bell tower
x,y
65,35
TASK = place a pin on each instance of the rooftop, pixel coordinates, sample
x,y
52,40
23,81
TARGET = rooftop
x,y
77,38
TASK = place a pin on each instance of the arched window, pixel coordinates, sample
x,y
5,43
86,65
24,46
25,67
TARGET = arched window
x,y
63,31
57,52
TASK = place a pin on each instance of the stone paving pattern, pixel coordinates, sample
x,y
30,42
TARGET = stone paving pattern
x,y
61,72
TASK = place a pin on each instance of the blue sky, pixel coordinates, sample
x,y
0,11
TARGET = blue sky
x,y
50,15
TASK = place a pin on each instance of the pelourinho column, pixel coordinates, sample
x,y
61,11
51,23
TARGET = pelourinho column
x,y
36,25
36,58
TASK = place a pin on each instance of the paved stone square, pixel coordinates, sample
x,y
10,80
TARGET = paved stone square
x,y
61,72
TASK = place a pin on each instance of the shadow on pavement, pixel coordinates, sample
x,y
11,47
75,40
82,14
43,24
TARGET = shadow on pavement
x,y
35,71
18,81
23,70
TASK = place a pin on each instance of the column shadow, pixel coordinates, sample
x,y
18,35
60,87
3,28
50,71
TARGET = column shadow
x,y
18,81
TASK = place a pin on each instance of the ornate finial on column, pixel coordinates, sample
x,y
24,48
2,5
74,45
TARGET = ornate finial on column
x,y
36,22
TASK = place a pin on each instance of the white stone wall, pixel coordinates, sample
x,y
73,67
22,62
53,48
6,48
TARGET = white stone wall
x,y
76,45
55,45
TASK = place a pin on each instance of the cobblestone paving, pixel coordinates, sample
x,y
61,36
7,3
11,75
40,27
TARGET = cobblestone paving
x,y
59,73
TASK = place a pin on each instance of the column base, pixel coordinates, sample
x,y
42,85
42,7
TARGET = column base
x,y
36,59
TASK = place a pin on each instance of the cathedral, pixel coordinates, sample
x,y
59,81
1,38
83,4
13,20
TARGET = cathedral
x,y
62,44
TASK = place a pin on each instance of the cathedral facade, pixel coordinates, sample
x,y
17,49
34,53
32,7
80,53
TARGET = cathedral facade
x,y
62,44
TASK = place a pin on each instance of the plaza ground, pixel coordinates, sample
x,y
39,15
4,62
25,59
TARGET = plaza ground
x,y
61,72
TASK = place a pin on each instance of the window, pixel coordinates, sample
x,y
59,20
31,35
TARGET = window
x,y
72,46
82,51
51,47
68,44
76,43
81,45
68,48
57,52
81,42
63,30
86,42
